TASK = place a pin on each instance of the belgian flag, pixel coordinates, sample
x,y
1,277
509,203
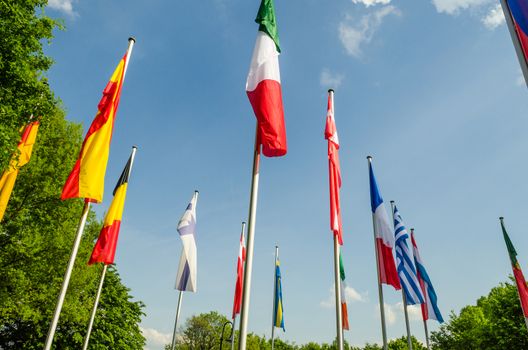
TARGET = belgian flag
x,y
105,247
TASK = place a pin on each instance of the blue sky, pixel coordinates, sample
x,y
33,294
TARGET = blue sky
x,y
431,89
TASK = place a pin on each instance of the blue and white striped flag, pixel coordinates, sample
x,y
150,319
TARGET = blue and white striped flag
x,y
186,277
405,262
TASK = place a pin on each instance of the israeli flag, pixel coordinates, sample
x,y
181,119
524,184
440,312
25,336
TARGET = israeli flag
x,y
186,278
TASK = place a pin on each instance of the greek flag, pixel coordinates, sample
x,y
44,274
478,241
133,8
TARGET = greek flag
x,y
404,260
186,277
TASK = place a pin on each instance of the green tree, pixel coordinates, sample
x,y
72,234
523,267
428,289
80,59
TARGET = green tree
x,y
203,331
495,322
401,344
38,229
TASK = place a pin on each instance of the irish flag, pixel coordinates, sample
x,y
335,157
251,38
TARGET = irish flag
x,y
522,288
383,233
263,85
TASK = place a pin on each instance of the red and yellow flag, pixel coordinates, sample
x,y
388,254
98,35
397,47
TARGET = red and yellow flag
x,y
87,177
25,147
104,250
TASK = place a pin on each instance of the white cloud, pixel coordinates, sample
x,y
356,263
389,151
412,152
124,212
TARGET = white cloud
x,y
330,79
371,2
155,338
392,312
354,36
494,18
454,6
351,296
65,6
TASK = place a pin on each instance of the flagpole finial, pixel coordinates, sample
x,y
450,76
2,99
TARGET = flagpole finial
x,y
196,191
412,229
131,38
134,147
501,218
369,158
392,202
330,90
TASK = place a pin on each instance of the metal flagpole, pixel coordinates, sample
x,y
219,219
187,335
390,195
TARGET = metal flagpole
x,y
337,277
244,313
80,229
92,317
380,288
515,39
404,298
273,315
173,346
67,275
98,295
426,334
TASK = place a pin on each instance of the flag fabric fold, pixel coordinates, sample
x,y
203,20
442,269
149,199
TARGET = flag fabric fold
x,y
86,180
21,158
384,237
519,12
430,310
522,288
237,302
186,276
344,308
405,262
334,170
278,317
105,247
263,85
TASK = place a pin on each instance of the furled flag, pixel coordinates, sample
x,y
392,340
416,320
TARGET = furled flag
x,y
105,247
344,309
186,277
278,317
430,310
516,14
333,169
384,236
522,288
237,303
405,262
25,147
263,85
86,180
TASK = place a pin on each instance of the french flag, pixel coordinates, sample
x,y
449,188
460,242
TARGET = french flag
x,y
383,235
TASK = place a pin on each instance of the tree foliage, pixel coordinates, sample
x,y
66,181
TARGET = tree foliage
x,y
38,229
495,322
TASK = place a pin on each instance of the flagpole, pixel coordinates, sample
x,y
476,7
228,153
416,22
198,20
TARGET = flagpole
x,y
131,42
515,39
337,278
67,275
233,334
92,317
426,334
273,315
173,346
404,298
246,290
380,288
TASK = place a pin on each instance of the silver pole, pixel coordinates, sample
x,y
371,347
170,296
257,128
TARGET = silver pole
x,y
131,42
426,334
94,310
515,39
173,346
274,298
380,288
249,251
337,278
67,275
404,298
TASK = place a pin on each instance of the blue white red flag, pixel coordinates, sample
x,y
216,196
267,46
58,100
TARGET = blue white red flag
x,y
516,13
430,310
186,277
383,235
405,262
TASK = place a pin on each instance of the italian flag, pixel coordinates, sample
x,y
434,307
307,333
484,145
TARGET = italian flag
x,y
263,85
522,288
344,309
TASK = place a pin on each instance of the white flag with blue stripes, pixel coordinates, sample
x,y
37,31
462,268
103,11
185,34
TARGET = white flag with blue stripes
x,y
186,277
405,262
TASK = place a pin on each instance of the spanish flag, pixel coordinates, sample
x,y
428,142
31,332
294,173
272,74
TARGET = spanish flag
x,y
87,177
25,147
104,250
